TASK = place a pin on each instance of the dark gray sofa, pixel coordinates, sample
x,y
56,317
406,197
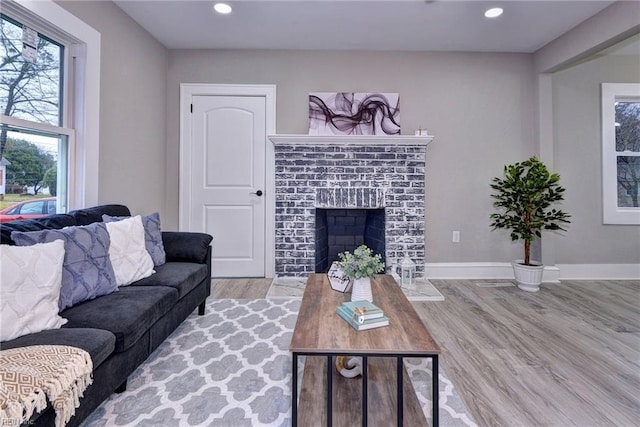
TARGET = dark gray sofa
x,y
120,330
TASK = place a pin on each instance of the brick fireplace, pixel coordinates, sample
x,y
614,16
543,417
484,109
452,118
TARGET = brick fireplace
x,y
316,174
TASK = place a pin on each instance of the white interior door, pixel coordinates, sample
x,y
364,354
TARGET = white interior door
x,y
227,168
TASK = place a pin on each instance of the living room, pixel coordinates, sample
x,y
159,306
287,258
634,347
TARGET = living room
x,y
482,87
485,110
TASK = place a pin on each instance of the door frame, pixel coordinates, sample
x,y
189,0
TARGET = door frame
x,y
187,92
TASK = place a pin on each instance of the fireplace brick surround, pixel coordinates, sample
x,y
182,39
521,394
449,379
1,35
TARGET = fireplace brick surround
x,y
348,172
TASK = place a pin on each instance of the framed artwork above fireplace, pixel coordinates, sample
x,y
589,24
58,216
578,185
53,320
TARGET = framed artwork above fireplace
x,y
350,113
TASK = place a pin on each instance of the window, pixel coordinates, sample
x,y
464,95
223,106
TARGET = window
x,y
49,109
33,143
621,153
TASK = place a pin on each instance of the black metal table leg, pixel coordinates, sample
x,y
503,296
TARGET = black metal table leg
x,y
329,391
400,393
364,391
434,377
294,390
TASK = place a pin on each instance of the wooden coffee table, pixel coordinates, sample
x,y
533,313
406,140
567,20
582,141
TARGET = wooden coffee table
x,y
319,331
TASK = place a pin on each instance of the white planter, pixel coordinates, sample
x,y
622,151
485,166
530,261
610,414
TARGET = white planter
x,y
528,277
361,290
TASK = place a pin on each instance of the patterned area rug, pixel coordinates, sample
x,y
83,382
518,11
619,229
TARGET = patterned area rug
x,y
231,367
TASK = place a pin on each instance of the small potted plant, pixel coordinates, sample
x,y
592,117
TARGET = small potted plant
x,y
360,266
524,198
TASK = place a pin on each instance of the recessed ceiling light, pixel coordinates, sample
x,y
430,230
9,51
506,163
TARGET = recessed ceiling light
x,y
222,8
493,12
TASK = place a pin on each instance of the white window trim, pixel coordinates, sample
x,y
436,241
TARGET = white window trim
x,y
83,190
612,214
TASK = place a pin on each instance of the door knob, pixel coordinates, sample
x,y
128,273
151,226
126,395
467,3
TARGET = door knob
x,y
257,193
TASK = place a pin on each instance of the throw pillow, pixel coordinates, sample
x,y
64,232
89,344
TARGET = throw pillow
x,y
152,236
127,252
87,272
31,277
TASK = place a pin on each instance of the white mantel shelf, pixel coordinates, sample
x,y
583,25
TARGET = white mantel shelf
x,y
350,140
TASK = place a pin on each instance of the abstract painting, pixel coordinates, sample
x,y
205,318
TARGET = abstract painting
x,y
349,113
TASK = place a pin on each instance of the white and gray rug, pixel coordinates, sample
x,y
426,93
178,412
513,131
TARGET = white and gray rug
x,y
232,367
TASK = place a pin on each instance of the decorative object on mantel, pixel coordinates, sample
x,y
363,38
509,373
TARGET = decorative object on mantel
x,y
360,266
349,113
338,280
421,132
524,198
407,273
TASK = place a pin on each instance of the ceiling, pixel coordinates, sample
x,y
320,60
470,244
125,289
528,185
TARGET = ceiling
x,y
404,25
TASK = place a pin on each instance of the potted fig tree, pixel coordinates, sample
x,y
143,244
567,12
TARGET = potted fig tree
x,y
524,199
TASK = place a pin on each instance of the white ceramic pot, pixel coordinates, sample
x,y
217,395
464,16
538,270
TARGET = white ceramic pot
x,y
361,290
528,277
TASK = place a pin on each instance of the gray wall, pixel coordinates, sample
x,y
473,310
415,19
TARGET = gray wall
x,y
578,160
133,73
480,107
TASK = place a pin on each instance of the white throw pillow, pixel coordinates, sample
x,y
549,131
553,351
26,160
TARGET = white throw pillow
x,y
127,251
30,281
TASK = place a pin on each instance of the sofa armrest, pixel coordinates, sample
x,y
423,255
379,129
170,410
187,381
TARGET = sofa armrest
x,y
187,246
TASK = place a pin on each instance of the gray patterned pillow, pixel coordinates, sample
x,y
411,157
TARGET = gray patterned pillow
x,y
152,236
87,272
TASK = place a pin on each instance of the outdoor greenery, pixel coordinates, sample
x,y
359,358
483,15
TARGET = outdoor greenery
x,y
361,263
28,90
50,180
524,198
29,163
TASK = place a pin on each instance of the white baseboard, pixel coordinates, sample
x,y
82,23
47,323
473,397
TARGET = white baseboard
x,y
552,274
599,271
468,270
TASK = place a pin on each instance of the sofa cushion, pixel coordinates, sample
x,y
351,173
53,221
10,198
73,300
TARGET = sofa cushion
x,y
152,235
31,277
127,251
182,276
97,342
128,314
87,272
90,215
186,246
45,223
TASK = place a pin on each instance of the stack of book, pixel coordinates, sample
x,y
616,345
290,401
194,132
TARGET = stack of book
x,y
362,315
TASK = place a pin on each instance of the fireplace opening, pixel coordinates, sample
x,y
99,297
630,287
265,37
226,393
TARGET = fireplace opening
x,y
339,230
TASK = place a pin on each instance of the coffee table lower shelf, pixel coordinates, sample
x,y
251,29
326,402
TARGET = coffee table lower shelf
x,y
346,405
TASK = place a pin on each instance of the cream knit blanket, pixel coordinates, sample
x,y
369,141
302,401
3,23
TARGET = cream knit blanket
x,y
31,375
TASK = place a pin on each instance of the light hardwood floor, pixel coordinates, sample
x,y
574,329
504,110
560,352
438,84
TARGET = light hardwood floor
x,y
568,355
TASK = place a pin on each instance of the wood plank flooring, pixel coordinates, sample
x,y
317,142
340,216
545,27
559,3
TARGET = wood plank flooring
x,y
568,355
240,288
